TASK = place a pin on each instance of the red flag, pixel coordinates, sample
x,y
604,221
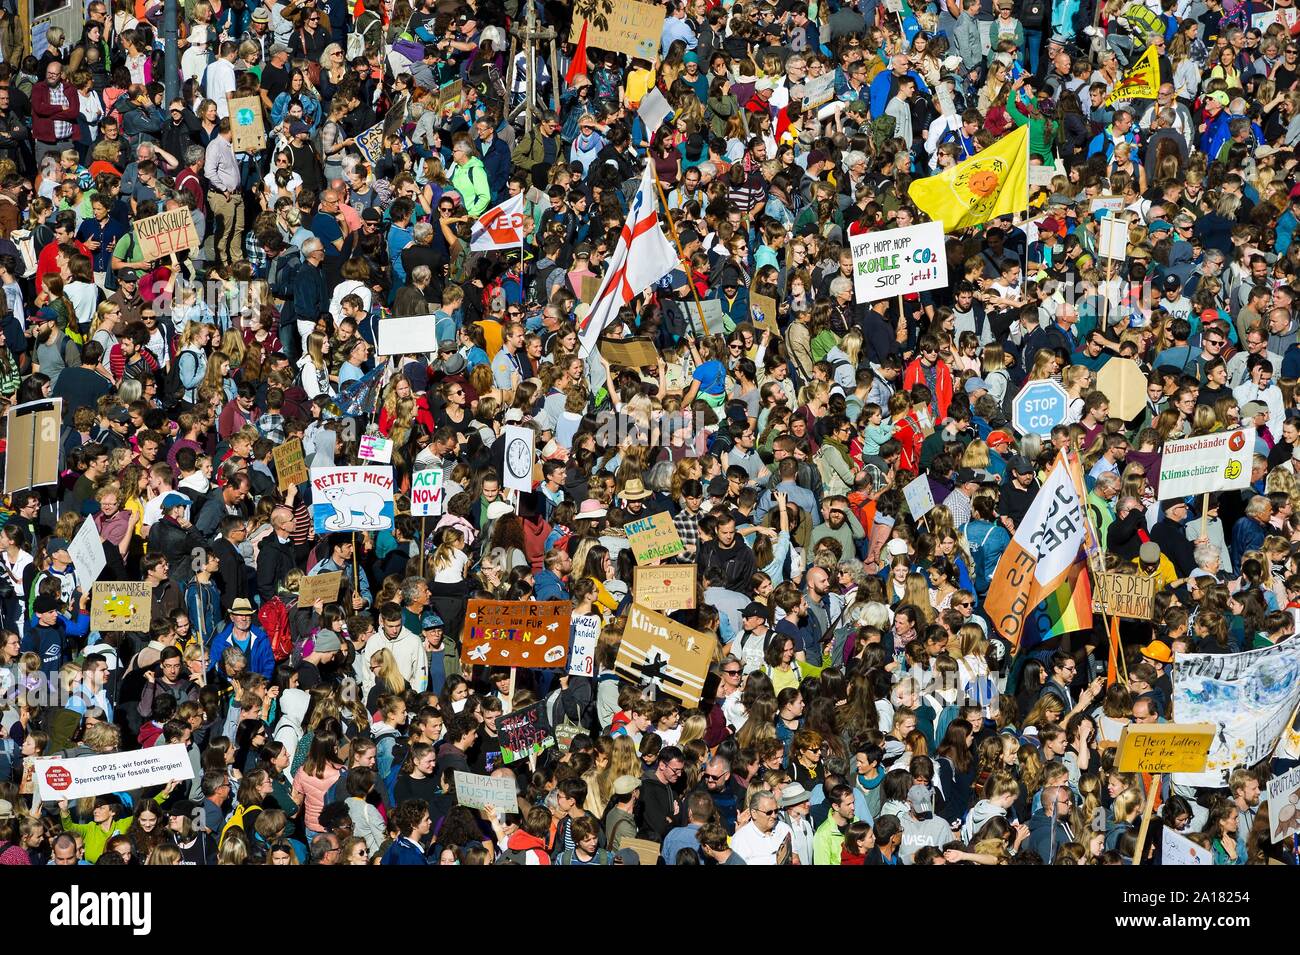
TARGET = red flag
x,y
579,64
1112,656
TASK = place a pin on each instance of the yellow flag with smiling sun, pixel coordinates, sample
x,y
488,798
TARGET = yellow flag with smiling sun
x,y
994,182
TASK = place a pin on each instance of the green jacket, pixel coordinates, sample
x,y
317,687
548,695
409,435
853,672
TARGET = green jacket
x,y
1042,133
470,180
530,151
827,843
1102,516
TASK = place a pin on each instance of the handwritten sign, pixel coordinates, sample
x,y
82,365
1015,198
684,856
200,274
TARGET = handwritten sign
x,y
670,587
290,464
1164,748
1284,805
320,587
376,448
588,288
919,496
165,233
247,132
661,655
1177,849
87,552
653,537
121,605
523,733
629,352
1124,595
428,492
516,633
582,651
631,27
450,95
479,792
352,499
762,309
899,261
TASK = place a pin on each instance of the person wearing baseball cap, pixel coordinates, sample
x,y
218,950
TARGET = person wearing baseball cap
x,y
48,636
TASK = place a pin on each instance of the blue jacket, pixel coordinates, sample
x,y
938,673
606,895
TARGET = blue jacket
x,y
49,643
203,603
1216,134
1286,226
496,162
547,586
1247,534
404,852
260,658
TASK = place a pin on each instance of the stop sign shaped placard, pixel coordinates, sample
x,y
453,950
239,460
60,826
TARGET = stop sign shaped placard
x,y
1039,407
58,778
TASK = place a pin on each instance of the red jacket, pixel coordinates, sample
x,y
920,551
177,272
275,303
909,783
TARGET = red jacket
x,y
44,113
914,376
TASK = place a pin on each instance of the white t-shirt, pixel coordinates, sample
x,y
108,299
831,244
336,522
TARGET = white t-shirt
x,y
758,848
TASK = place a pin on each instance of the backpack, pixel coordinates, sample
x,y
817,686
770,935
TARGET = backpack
x,y
286,266
236,821
882,131
273,617
357,38
977,557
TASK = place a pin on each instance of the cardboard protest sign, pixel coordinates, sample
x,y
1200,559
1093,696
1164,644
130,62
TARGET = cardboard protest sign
x,y
1176,849
661,655
121,605
320,587
629,352
1248,697
516,633
588,288
247,131
1122,381
406,335
1284,804
167,232
919,496
478,792
82,776
290,464
653,537
352,499
521,451
763,312
376,448
32,449
582,650
670,587
1124,595
1208,463
450,95
1164,747
647,851
899,261
523,733
428,492
87,552
631,27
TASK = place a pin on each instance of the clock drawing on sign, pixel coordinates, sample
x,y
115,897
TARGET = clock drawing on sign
x,y
519,459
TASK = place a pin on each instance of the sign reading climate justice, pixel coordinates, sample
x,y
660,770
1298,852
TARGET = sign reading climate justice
x,y
898,261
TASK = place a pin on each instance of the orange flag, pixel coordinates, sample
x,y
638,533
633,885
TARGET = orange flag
x,y
1112,657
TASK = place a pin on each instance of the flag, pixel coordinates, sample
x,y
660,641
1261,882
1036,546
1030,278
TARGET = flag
x,y
1140,81
1069,606
1041,555
501,227
642,257
654,109
994,182
1112,655
579,65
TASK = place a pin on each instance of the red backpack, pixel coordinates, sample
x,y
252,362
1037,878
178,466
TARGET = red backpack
x,y
273,617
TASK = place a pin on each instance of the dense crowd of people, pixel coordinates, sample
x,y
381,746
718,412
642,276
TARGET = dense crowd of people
x,y
860,707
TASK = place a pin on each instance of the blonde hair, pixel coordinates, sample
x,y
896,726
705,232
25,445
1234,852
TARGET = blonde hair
x,y
388,670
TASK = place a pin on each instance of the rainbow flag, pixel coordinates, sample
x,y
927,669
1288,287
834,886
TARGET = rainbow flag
x,y
1069,607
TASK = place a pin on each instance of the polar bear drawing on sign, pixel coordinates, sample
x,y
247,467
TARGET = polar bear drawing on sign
x,y
349,501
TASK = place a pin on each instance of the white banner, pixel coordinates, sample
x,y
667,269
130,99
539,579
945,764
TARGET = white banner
x,y
1177,849
1211,462
111,772
899,261
407,335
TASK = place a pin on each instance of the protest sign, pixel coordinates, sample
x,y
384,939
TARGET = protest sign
x,y
1248,696
818,91
121,605
32,448
1123,382
653,537
375,448
670,587
1164,747
919,496
516,633
1041,175
1283,797
1113,238
588,288
167,232
1111,204
290,464
647,851
631,27
247,132
1176,849
1207,463
406,335
763,312
428,492
450,95
320,587
82,776
370,142
899,261
629,352
582,650
87,553
477,792
523,733
661,655
1039,407
521,449
711,319
1124,595
352,499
